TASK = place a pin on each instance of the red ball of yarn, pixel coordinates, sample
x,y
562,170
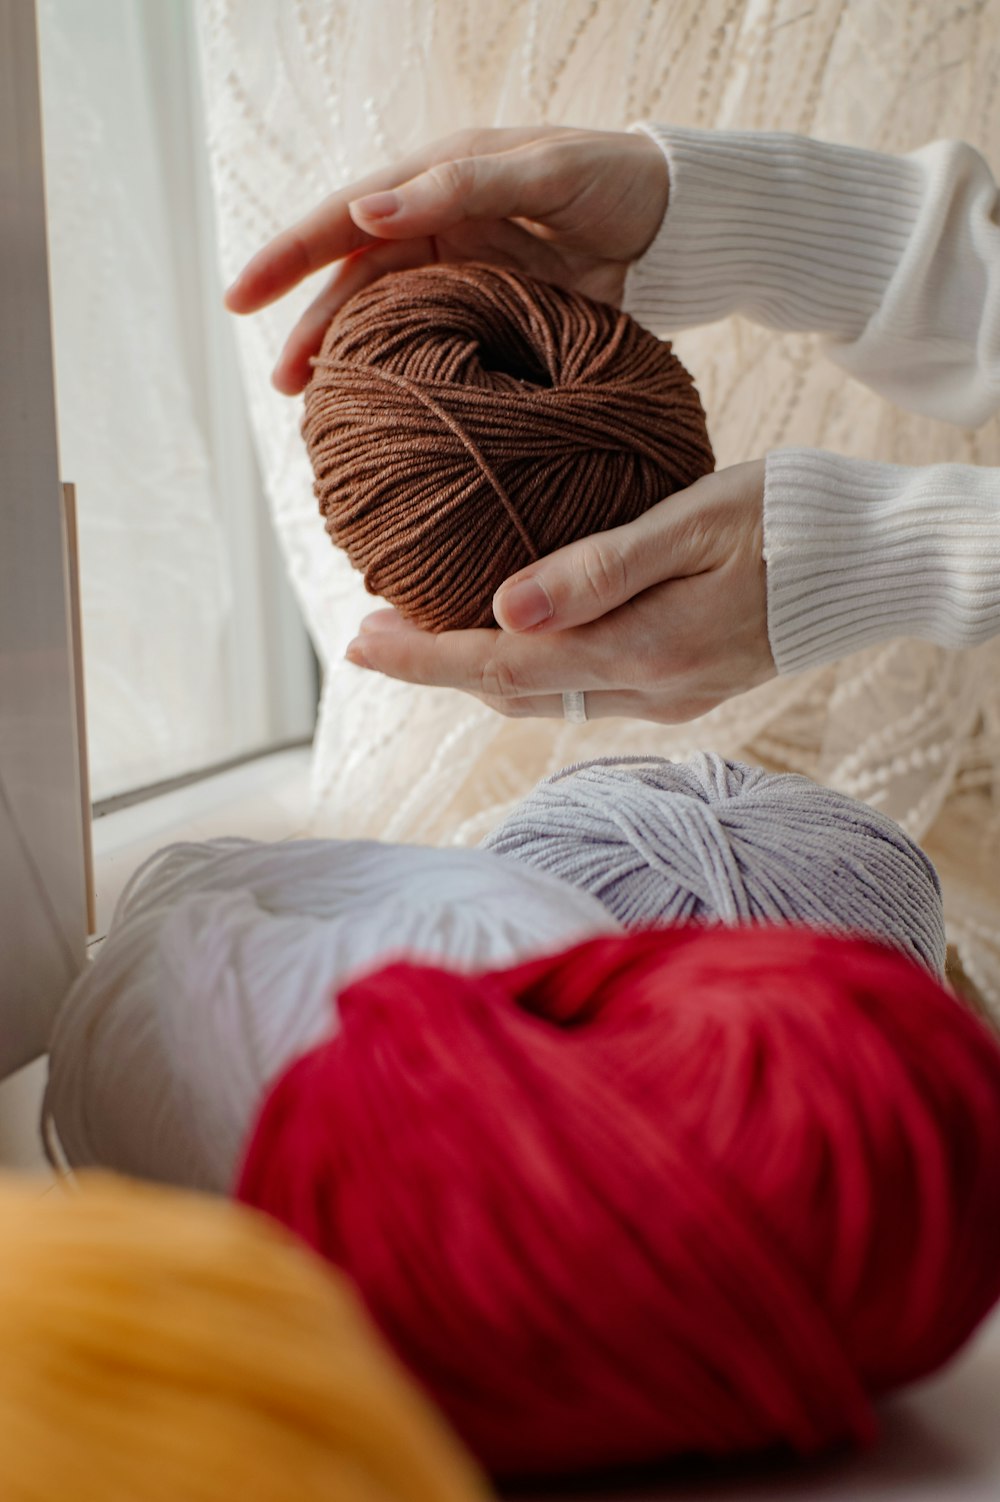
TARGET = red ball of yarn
x,y
683,1191
463,421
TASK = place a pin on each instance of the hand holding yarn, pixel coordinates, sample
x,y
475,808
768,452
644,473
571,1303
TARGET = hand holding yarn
x,y
660,619
571,207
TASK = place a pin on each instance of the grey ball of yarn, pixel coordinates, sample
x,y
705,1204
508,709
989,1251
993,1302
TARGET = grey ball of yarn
x,y
721,842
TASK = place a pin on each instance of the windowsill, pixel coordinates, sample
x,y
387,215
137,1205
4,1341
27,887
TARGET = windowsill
x,y
265,799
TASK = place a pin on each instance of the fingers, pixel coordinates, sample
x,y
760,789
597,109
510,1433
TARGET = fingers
x,y
576,619
512,184
325,235
293,368
665,708
509,243
488,663
601,705
589,578
329,233
391,645
680,605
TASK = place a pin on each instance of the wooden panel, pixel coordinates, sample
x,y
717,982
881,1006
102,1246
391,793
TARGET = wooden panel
x,y
42,887
80,697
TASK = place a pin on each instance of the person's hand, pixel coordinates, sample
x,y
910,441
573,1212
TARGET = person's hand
x,y
661,619
573,207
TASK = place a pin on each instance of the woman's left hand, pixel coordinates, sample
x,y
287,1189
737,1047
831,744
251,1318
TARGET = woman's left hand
x,y
661,619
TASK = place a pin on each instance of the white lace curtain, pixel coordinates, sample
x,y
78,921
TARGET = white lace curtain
x,y
303,98
194,651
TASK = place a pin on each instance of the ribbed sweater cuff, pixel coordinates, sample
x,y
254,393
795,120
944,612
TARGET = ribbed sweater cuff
x,y
859,553
793,233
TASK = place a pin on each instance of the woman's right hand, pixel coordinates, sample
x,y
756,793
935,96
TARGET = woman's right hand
x,y
573,207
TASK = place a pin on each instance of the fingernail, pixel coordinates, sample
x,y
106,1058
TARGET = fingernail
x,y
380,620
377,205
356,653
520,606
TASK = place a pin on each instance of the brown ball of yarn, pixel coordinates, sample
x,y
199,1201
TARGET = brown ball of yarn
x,y
464,421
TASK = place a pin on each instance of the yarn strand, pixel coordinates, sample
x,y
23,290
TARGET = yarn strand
x,y
463,421
460,433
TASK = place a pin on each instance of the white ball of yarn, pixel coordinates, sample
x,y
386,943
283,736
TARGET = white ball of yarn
x,y
222,963
716,841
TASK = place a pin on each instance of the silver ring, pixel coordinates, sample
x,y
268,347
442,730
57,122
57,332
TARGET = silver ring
x,y
574,706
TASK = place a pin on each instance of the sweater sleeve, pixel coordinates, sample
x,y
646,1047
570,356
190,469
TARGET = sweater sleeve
x,y
895,259
858,553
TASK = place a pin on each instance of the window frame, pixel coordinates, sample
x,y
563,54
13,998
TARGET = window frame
x,y
42,816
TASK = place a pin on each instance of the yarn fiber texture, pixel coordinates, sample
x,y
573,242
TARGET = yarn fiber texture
x,y
219,967
169,1348
464,421
687,1190
722,842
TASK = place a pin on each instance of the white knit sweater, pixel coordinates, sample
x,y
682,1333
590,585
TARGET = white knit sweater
x,y
897,261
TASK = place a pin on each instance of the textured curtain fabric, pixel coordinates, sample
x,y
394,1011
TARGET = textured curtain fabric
x,y
155,578
152,424
302,98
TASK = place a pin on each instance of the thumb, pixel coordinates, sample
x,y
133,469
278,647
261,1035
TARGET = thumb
x,y
475,187
593,576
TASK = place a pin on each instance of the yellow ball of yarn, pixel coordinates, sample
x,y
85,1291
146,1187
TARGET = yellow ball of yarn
x,y
164,1347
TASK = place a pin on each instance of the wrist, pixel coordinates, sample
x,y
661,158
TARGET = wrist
x,y
655,173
